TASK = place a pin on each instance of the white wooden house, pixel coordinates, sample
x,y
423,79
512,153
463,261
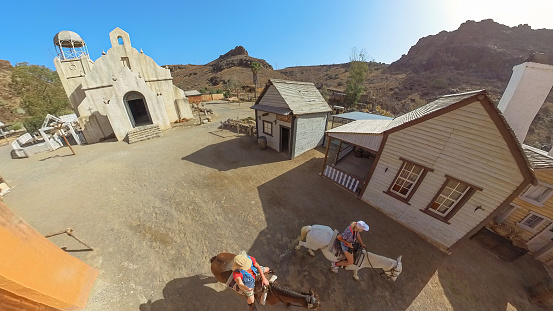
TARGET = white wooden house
x,y
292,116
443,170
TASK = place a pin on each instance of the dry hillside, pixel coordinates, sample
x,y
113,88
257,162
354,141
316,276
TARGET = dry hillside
x,y
9,102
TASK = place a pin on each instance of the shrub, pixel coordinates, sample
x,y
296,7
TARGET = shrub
x,y
439,83
16,126
32,124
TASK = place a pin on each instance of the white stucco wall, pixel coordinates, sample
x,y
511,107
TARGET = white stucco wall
x,y
97,89
310,131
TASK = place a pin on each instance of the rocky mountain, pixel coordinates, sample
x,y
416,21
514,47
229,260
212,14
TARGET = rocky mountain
x,y
478,55
235,63
486,49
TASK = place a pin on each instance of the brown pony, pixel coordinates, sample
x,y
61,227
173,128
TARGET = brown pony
x,y
221,267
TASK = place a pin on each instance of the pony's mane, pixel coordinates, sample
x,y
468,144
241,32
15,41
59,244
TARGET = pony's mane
x,y
381,258
288,291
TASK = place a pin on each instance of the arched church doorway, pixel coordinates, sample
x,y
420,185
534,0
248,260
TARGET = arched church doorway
x,y
137,109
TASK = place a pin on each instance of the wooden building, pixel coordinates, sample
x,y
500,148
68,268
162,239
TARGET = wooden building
x,y
530,215
194,97
443,170
292,116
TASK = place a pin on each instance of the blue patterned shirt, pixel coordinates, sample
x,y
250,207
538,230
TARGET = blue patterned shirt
x,y
349,235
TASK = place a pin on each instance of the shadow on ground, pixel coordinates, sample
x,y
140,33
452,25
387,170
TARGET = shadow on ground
x,y
191,294
469,279
244,152
301,197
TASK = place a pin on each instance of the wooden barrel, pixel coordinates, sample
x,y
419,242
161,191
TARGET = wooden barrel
x,y
262,142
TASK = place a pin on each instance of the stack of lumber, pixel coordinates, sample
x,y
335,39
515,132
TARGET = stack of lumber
x,y
240,126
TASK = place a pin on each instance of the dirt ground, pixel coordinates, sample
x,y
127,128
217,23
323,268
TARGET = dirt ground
x,y
156,211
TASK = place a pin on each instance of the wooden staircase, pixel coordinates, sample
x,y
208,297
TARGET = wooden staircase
x,y
143,133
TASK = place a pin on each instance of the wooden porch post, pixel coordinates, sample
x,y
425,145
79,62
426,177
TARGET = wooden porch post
x,y
326,153
338,154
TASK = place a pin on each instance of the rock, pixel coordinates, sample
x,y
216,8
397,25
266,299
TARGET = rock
x,y
215,80
238,50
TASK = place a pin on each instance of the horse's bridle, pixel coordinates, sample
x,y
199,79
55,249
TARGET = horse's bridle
x,y
384,274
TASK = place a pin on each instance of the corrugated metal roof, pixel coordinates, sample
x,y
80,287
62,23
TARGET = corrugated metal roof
x,y
440,103
301,97
357,115
538,159
192,93
277,110
377,127
362,127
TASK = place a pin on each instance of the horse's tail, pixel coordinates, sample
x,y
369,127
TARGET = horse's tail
x,y
212,259
304,231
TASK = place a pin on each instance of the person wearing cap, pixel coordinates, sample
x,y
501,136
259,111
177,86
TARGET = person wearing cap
x,y
347,238
245,269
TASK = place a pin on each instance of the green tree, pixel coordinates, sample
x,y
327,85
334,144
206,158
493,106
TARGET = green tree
x,y
41,93
40,90
231,85
358,70
255,67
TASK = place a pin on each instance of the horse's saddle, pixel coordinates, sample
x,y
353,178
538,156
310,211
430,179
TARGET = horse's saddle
x,y
336,249
232,284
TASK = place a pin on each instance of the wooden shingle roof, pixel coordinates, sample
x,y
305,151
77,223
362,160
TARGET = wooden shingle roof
x,y
538,159
299,98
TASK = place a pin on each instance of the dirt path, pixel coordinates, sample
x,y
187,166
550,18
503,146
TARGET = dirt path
x,y
156,211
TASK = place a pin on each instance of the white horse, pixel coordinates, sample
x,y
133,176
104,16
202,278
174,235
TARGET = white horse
x,y
322,237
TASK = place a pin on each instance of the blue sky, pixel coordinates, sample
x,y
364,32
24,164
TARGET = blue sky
x,y
284,33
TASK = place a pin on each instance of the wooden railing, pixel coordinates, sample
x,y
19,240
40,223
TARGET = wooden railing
x,y
345,180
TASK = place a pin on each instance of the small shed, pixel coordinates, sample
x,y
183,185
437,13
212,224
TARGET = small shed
x,y
194,97
292,116
443,170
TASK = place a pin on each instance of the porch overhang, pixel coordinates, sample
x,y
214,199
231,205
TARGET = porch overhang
x,y
368,141
363,133
277,110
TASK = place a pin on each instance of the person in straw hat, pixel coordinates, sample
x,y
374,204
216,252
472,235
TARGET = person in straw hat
x,y
245,270
347,238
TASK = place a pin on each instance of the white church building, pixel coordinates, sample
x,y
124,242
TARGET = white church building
x,y
124,92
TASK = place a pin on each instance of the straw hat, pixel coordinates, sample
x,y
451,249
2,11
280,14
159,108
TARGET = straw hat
x,y
242,261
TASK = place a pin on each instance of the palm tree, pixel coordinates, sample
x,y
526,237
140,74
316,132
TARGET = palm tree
x,y
255,67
